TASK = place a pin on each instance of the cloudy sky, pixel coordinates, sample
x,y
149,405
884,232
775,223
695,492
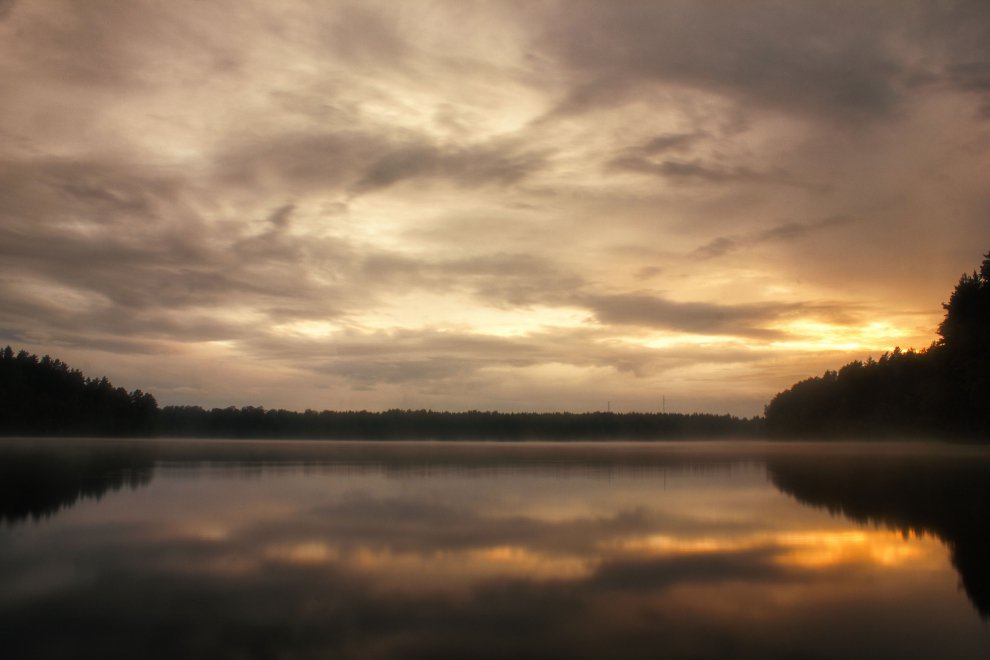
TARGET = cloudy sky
x,y
497,205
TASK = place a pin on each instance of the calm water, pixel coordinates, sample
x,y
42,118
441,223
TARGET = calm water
x,y
113,549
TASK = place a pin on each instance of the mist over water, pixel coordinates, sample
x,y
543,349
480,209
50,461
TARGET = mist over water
x,y
114,549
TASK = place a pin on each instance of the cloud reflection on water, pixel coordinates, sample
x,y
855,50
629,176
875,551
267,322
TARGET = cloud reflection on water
x,y
365,561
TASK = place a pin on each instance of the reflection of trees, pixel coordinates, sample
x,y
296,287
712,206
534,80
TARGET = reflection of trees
x,y
943,495
38,480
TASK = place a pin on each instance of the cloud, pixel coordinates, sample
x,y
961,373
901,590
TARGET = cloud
x,y
118,48
667,142
463,166
280,217
959,32
812,60
355,162
6,6
787,231
361,35
445,566
703,318
482,196
686,170
684,158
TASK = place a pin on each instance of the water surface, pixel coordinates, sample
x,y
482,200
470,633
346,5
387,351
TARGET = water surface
x,y
195,549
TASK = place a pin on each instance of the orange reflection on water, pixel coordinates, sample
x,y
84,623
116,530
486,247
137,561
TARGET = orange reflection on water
x,y
309,552
877,547
662,544
438,569
456,570
518,559
807,549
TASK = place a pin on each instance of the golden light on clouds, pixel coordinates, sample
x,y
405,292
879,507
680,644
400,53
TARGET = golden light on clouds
x,y
874,336
349,193
308,329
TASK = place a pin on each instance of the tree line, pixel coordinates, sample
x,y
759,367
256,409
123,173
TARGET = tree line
x,y
941,390
253,422
44,396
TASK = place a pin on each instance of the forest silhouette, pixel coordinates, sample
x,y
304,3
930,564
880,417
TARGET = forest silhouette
x,y
45,397
941,391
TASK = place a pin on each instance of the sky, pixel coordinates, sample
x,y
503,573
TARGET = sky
x,y
546,206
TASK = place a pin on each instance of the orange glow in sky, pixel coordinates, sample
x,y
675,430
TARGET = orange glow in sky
x,y
483,206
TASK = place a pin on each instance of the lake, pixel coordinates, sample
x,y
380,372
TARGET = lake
x,y
278,549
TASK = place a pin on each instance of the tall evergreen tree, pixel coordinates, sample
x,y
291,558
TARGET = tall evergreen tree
x,y
46,397
943,389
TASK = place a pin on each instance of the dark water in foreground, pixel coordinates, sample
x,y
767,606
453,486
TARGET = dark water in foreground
x,y
112,549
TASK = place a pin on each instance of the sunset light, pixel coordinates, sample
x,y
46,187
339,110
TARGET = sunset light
x,y
494,329
482,185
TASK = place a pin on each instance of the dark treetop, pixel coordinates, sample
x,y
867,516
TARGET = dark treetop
x,y
944,389
46,397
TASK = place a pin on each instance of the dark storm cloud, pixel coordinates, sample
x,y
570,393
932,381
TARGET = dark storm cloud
x,y
787,231
846,62
106,325
152,268
703,318
817,59
361,35
280,217
6,6
100,191
686,170
468,167
973,77
666,142
358,162
135,258
960,32
131,240
683,158
112,46
717,247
